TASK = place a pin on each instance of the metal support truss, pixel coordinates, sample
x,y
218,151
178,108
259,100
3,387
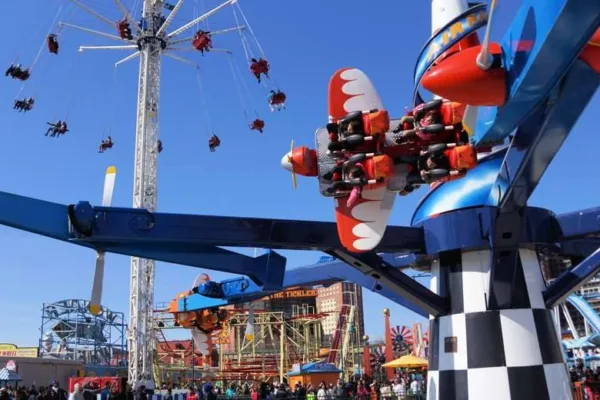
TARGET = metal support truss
x,y
144,196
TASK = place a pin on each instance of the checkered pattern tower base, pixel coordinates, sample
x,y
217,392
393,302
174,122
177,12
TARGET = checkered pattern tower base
x,y
477,353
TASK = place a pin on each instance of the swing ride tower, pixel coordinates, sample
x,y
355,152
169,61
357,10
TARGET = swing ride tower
x,y
141,331
150,42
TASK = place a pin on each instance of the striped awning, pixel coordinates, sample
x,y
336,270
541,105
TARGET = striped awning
x,y
8,375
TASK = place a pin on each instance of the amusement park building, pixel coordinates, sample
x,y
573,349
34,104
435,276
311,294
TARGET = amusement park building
x,y
332,298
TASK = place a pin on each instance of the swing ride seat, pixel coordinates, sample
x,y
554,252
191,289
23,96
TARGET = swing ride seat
x,y
277,98
21,75
263,66
52,44
260,67
124,29
202,41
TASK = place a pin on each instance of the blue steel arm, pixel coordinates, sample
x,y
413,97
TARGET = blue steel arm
x,y
142,229
239,290
35,216
185,239
579,248
539,138
371,264
579,224
571,280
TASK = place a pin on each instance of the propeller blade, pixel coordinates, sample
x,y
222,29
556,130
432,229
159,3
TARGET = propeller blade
x,y
96,300
484,60
109,186
294,181
469,119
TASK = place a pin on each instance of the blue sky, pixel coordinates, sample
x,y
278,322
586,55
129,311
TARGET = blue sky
x,y
305,43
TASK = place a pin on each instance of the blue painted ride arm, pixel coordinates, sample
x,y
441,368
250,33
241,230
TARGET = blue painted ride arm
x,y
35,216
370,264
142,228
540,137
579,224
241,290
571,280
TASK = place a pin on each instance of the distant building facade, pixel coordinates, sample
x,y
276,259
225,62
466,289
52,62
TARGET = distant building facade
x,y
330,300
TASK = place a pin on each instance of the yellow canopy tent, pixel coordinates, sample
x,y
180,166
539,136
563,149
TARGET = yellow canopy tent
x,y
408,361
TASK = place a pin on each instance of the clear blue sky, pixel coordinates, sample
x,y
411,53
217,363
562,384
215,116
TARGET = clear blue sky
x,y
305,43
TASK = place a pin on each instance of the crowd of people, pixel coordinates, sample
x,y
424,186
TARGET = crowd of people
x,y
585,379
50,392
404,386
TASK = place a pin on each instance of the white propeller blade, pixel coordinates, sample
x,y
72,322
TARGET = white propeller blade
x,y
96,299
109,186
484,59
95,302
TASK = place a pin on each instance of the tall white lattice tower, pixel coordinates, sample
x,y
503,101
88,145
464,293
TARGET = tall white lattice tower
x,y
150,41
141,332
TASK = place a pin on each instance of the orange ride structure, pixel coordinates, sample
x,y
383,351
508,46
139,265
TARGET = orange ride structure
x,y
243,342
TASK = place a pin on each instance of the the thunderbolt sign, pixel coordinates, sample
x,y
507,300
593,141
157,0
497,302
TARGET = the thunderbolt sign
x,y
455,31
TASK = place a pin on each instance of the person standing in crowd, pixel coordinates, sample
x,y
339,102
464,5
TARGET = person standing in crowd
x,y
77,393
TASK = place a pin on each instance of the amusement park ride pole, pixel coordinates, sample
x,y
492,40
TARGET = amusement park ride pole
x,y
141,338
151,43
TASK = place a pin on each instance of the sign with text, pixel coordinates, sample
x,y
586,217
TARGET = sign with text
x,y
10,350
292,294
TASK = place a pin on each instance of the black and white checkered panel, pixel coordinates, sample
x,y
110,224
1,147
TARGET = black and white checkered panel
x,y
476,353
326,163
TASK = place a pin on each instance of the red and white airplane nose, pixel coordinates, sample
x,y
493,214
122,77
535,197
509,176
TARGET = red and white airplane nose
x,y
301,161
286,162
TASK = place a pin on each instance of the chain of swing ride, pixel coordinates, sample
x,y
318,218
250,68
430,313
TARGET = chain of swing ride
x,y
242,89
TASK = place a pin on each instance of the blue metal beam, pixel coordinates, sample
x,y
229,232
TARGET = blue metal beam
x,y
35,216
579,248
580,224
371,264
140,228
539,138
571,280
130,231
186,239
